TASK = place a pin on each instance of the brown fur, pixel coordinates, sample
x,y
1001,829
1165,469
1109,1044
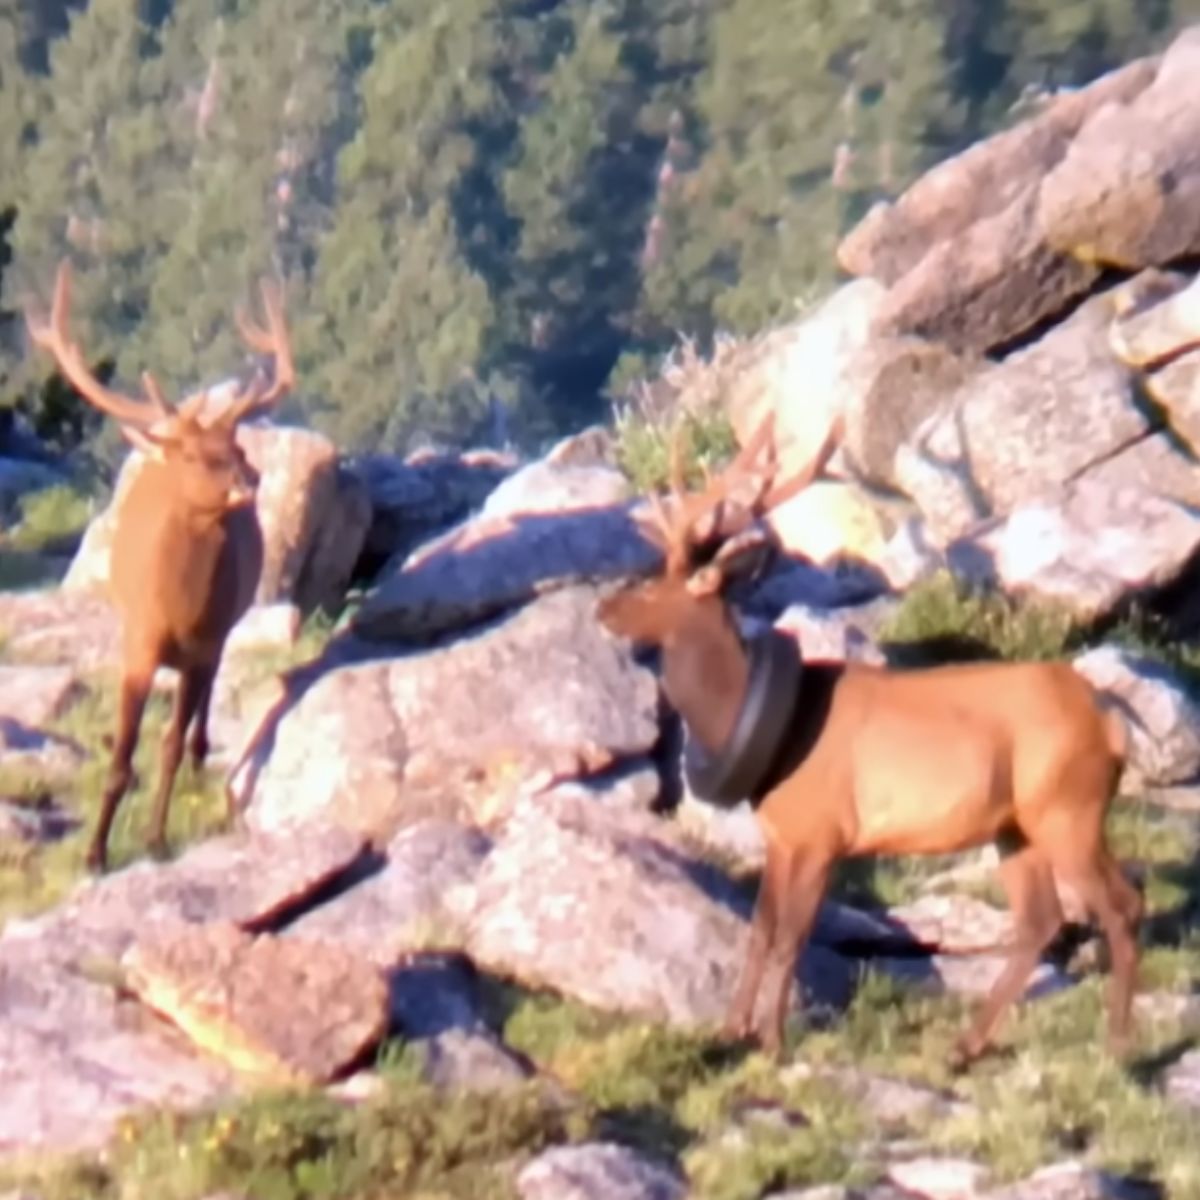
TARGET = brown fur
x,y
928,761
187,554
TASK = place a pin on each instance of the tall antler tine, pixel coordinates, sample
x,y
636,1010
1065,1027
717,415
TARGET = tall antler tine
x,y
762,438
61,303
150,385
807,473
272,340
51,335
675,461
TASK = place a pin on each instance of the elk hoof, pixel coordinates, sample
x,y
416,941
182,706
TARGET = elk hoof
x,y
963,1055
96,860
158,849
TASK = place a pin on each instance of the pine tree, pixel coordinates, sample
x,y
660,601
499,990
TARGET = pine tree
x,y
402,323
803,115
87,187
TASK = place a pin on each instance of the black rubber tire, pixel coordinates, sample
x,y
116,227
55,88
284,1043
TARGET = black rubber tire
x,y
734,774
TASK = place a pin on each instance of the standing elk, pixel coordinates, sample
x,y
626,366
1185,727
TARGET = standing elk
x,y
187,550
876,760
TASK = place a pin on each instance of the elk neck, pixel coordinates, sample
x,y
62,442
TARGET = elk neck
x,y
706,673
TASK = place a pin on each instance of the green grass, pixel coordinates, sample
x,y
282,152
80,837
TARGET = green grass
x,y
946,616
33,881
51,517
34,878
407,1141
736,1124
34,552
643,446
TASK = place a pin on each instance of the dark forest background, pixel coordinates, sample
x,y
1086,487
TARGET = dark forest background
x,y
490,214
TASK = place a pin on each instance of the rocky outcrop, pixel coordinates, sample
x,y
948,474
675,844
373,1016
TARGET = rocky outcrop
x,y
510,553
289,1010
380,743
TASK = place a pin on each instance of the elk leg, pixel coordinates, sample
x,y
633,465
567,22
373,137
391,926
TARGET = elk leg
x,y
1117,906
1037,917
199,741
131,704
192,684
803,893
739,1021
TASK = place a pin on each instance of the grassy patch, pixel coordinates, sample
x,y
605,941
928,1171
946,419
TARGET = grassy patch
x,y
644,441
407,1141
34,552
38,879
941,617
51,518
681,1096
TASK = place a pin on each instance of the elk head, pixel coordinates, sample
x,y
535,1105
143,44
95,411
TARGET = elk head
x,y
209,471
708,539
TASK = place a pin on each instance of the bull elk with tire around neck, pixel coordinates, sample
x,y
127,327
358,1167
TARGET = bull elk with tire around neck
x,y
187,548
868,760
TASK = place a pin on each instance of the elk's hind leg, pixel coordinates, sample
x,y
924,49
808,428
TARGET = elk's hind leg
x,y
131,705
194,682
1087,865
1037,917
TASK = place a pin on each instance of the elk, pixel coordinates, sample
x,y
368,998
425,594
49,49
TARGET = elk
x,y
187,549
881,760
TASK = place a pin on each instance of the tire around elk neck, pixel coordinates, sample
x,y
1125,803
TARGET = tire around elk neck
x,y
742,767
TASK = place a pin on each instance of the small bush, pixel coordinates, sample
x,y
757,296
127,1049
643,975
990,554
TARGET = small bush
x,y
644,447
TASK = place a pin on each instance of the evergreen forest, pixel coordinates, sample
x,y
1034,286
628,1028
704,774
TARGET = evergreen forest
x,y
489,215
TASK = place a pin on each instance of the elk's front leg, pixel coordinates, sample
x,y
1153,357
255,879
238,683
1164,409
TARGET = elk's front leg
x,y
193,684
739,1021
802,893
135,689
199,739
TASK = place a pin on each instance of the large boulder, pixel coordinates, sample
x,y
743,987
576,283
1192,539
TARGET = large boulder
x,y
75,1055
598,905
1089,547
378,744
548,526
798,372
415,499
1162,715
892,387
992,283
1127,192
983,180
58,626
1018,429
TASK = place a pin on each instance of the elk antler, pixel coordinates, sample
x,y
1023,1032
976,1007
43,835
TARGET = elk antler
x,y
673,528
260,393
714,513
51,335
